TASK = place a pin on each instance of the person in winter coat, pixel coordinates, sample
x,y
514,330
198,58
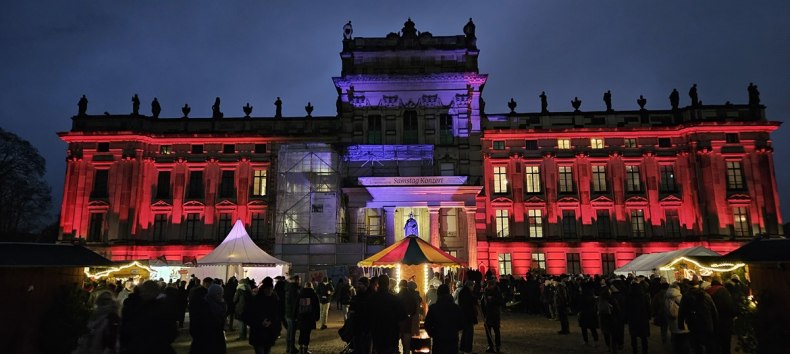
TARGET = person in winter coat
x,y
608,316
678,334
263,317
698,313
491,304
208,317
443,321
411,303
103,325
146,324
470,307
588,313
618,298
290,313
240,299
345,291
229,294
309,312
637,308
726,308
561,303
657,309
385,311
325,292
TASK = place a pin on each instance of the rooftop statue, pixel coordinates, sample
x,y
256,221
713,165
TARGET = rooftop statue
x,y
347,30
309,109
247,110
512,105
410,229
607,99
135,105
278,108
674,99
754,95
185,110
469,29
408,30
215,109
544,103
82,106
641,102
693,95
576,103
155,108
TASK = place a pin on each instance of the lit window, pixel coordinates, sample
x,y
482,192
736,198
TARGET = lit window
x,y
667,184
566,179
535,221
599,178
633,181
165,149
449,217
564,144
499,145
502,223
505,264
630,143
638,223
740,221
500,179
596,143
532,177
734,176
259,183
539,260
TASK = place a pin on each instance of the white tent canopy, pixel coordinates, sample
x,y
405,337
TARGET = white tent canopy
x,y
650,263
238,248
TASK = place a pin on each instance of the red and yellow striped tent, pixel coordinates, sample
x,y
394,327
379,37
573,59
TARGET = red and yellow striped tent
x,y
411,250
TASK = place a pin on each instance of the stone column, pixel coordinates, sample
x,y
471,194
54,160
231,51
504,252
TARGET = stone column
x,y
389,225
471,237
436,240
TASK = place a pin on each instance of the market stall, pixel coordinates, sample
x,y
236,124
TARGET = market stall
x,y
679,264
239,256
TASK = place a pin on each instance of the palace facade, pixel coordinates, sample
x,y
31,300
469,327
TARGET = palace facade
x,y
567,192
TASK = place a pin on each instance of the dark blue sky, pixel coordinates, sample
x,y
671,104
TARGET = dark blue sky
x,y
252,51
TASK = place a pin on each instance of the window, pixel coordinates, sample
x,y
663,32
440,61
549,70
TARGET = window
x,y
633,182
732,138
505,264
568,223
96,227
599,178
100,184
566,179
259,183
197,149
532,176
667,184
740,221
500,179
103,147
596,143
195,185
535,222
160,222
410,129
163,185
499,145
672,223
227,185
223,226
629,143
638,223
502,223
734,176
664,142
539,260
258,226
447,169
375,134
564,144
229,149
192,222
165,149
574,264
449,217
603,223
260,148
531,145
445,129
607,263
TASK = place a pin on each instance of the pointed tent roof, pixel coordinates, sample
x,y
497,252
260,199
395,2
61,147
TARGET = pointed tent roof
x,y
238,248
411,250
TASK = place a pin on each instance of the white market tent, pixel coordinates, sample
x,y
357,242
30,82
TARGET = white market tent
x,y
239,255
651,263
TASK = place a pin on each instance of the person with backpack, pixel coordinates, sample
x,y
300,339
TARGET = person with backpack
x,y
307,315
698,312
325,291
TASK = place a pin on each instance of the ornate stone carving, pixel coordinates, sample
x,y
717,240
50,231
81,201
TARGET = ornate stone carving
x,y
390,101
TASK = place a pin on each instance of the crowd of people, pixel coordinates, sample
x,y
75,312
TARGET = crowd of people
x,y
381,317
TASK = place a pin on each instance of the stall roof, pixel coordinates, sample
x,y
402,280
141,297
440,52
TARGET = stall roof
x,y
647,263
762,251
19,255
238,248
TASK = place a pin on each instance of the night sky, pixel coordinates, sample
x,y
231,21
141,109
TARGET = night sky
x,y
253,51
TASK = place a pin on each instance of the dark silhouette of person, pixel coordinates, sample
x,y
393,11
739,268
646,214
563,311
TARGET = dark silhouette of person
x,y
544,103
754,95
155,108
674,99
135,105
693,95
215,109
82,106
278,108
607,99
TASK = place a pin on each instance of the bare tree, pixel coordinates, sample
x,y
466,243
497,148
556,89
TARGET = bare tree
x,y
24,195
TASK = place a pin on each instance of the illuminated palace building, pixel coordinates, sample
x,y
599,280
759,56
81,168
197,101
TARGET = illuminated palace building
x,y
567,192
